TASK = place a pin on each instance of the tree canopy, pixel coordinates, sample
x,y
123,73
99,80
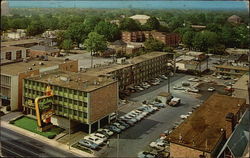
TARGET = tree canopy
x,y
110,31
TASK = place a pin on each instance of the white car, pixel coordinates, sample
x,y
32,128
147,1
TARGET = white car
x,y
158,144
189,113
153,107
94,139
184,116
107,131
140,112
211,89
99,135
179,88
194,90
119,125
164,77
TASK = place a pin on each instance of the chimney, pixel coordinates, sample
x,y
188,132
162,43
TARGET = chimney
x,y
230,123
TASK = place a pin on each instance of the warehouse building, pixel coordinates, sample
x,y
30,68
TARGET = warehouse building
x,y
13,53
230,70
204,133
80,97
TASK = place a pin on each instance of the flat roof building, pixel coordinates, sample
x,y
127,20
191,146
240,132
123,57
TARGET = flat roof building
x,y
230,70
141,18
240,87
206,130
82,97
22,43
12,53
12,75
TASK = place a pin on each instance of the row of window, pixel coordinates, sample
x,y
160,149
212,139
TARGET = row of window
x,y
56,88
60,108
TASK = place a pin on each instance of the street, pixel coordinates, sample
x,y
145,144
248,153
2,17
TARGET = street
x,y
138,137
16,145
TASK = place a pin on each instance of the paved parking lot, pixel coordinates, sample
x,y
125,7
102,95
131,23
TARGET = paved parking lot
x,y
137,138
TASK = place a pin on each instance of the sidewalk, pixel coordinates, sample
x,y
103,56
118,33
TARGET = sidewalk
x,y
4,123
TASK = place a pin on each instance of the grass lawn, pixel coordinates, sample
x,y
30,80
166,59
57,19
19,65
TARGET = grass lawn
x,y
30,124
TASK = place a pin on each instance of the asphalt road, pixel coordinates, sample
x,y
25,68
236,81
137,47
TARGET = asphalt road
x,y
16,145
137,138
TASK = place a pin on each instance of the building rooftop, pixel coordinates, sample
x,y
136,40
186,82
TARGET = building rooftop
x,y
11,48
73,80
19,67
232,67
202,130
20,42
113,67
43,48
242,82
185,58
237,51
193,53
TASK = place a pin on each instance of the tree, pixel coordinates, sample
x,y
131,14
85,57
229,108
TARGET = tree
x,y
153,45
110,31
128,24
95,43
77,32
67,45
187,38
91,22
35,28
204,40
152,23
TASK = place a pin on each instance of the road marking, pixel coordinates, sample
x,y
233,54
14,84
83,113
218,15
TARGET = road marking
x,y
11,151
29,151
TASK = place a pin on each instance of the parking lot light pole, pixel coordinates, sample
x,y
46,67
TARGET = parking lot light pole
x,y
117,147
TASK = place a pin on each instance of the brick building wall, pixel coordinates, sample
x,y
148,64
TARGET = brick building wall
x,y
35,53
69,66
177,151
103,102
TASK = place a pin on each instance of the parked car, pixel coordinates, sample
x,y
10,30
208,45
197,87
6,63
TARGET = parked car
x,y
159,144
88,144
211,89
114,129
131,123
164,77
159,105
123,123
99,135
105,131
184,116
128,119
175,101
179,88
146,154
186,84
229,89
119,125
94,139
193,79
226,77
194,90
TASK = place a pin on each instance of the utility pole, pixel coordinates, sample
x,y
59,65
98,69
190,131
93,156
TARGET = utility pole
x,y
69,132
117,147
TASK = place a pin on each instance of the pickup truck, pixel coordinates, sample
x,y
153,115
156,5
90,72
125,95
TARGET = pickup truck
x,y
175,101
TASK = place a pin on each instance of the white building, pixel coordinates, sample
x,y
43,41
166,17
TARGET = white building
x,y
5,8
141,18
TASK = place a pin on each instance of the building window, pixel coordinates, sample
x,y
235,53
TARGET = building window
x,y
84,115
75,102
18,54
79,113
8,56
75,112
85,94
85,104
70,111
60,108
70,101
75,92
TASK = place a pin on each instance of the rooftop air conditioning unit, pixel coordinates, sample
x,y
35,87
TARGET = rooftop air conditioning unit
x,y
63,78
121,60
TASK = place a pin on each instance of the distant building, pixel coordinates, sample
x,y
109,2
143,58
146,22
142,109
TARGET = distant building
x,y
230,70
42,50
5,8
204,133
140,18
199,56
23,43
188,63
82,97
169,39
13,53
198,27
12,76
234,19
240,87
17,34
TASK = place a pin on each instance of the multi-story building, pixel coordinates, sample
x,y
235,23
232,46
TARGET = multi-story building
x,y
204,133
136,70
230,70
169,39
12,75
13,53
241,88
78,96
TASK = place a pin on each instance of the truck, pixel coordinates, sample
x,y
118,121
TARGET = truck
x,y
175,101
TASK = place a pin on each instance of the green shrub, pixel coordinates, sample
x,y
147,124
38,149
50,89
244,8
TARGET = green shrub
x,y
51,136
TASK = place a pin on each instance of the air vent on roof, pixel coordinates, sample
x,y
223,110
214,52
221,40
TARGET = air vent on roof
x,y
34,64
66,59
30,68
41,63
